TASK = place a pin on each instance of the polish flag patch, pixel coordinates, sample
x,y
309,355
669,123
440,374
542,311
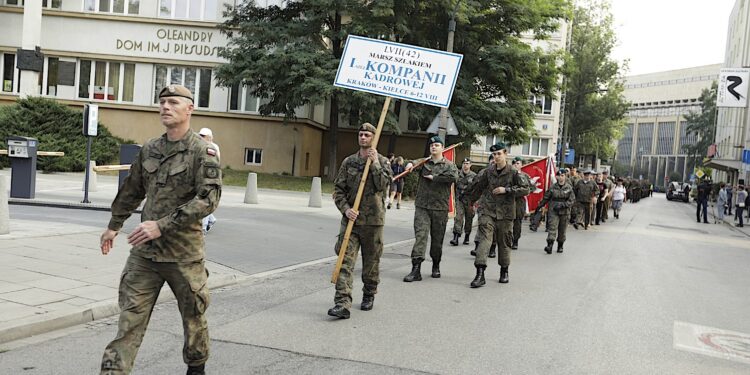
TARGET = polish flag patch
x,y
211,151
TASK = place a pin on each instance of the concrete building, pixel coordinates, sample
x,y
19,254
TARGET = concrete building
x,y
652,144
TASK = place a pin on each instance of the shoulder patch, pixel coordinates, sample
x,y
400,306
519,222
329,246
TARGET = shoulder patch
x,y
210,151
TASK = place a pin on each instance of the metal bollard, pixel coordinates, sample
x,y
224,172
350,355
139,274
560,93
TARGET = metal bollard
x,y
251,191
4,211
316,193
92,179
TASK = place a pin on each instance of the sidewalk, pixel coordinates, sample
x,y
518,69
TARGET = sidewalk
x,y
52,274
728,219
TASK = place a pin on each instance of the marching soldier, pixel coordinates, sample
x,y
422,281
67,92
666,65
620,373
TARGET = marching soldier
x,y
573,180
367,232
520,202
499,185
584,191
179,176
464,210
431,208
561,199
609,185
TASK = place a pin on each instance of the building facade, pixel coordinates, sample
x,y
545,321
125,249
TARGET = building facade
x,y
656,129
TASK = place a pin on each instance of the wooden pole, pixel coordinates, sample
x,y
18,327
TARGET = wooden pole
x,y
360,191
404,173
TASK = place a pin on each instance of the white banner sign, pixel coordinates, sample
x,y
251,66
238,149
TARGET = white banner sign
x,y
397,70
733,85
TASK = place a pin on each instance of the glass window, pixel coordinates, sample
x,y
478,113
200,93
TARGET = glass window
x,y
195,9
160,82
197,80
100,79
205,88
165,8
544,147
128,82
210,10
253,156
90,6
547,105
113,85
526,148
190,79
9,68
234,97
534,146
111,6
104,6
200,10
52,70
176,76
251,101
134,7
180,9
84,78
119,6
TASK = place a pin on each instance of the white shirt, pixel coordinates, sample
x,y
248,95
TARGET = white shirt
x,y
619,193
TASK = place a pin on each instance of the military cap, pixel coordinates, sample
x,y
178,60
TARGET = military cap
x,y
587,171
561,171
498,146
367,127
605,172
176,90
467,160
518,158
436,139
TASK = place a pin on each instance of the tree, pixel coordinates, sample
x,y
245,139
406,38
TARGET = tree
x,y
290,56
595,105
703,125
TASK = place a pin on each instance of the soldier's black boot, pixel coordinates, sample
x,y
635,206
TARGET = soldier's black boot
x,y
479,279
560,246
415,274
339,311
476,246
367,302
492,253
435,270
196,370
515,245
504,275
466,238
548,248
454,241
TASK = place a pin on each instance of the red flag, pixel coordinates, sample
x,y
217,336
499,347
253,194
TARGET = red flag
x,y
539,172
451,155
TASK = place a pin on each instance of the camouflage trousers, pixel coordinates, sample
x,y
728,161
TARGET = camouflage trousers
x,y
607,205
583,213
369,238
557,225
518,221
429,223
464,218
499,230
140,284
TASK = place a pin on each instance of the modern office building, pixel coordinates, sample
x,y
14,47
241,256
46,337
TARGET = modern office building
x,y
656,130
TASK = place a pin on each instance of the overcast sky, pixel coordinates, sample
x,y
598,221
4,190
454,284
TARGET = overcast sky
x,y
659,35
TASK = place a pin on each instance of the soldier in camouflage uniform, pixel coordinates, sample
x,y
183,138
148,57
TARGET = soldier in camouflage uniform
x,y
180,177
464,211
431,208
609,185
520,202
561,199
572,181
584,191
499,185
367,232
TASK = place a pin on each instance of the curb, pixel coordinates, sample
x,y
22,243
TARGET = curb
x,y
58,204
57,320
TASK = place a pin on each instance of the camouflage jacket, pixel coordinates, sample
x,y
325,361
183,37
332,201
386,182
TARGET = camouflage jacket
x,y
521,199
572,181
498,206
560,197
464,180
585,190
372,203
181,188
433,194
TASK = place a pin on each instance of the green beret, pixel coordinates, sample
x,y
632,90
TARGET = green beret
x,y
498,146
176,90
562,171
367,127
437,139
518,158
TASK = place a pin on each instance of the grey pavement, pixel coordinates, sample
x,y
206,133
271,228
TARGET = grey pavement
x,y
652,293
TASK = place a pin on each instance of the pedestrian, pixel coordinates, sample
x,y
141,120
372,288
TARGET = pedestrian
x,y
704,190
464,219
431,208
619,195
499,185
601,197
609,184
721,201
584,191
208,136
179,175
367,232
521,205
741,199
730,196
397,186
561,199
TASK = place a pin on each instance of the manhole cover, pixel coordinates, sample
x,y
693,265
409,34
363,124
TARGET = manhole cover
x,y
395,256
714,342
678,228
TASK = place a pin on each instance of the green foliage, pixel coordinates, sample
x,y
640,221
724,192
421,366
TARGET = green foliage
x,y
595,105
675,176
702,124
58,128
410,185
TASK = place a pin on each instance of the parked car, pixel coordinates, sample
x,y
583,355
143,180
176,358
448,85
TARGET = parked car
x,y
678,191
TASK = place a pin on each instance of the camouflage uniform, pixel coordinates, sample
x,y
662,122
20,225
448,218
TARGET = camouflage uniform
x,y
561,199
367,232
609,185
520,209
584,191
572,181
498,210
182,183
431,208
464,211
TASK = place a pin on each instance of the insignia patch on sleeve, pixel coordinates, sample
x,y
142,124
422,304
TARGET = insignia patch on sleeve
x,y
212,172
211,151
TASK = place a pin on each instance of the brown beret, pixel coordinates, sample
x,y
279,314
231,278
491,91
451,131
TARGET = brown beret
x,y
367,127
176,90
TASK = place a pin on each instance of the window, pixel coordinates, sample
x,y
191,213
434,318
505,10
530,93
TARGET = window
x,y
536,147
8,71
241,98
105,80
542,104
112,6
49,4
491,140
253,156
197,80
199,10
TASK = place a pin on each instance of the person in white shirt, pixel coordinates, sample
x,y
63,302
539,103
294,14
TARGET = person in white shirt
x,y
618,196
208,136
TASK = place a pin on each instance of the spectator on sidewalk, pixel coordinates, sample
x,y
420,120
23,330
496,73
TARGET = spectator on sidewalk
x,y
618,196
397,186
721,202
704,191
730,197
208,136
741,198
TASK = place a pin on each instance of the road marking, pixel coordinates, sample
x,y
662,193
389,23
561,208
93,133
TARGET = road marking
x,y
714,342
